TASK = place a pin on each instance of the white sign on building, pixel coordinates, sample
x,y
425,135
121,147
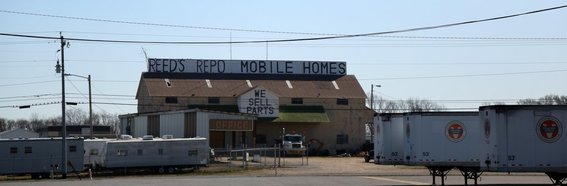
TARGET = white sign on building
x,y
219,66
259,101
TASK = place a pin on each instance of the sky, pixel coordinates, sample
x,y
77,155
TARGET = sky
x,y
459,67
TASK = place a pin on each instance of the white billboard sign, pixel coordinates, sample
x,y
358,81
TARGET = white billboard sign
x,y
259,101
219,66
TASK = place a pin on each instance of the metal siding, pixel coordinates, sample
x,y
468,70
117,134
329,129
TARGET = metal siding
x,y
203,124
190,124
140,126
172,124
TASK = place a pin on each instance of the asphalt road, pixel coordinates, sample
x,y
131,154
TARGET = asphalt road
x,y
280,181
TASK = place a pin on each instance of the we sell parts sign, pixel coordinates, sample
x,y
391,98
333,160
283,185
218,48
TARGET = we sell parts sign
x,y
259,101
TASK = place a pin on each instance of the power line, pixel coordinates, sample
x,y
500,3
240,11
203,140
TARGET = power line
x,y
466,75
28,83
256,41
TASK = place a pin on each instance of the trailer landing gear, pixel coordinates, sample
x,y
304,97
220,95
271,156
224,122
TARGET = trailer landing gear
x,y
472,173
557,178
440,171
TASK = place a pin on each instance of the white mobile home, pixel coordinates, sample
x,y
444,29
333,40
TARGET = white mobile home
x,y
148,152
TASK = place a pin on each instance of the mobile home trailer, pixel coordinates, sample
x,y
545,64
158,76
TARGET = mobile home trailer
x,y
147,153
39,156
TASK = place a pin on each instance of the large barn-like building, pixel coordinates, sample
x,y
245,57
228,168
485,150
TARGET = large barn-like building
x,y
242,102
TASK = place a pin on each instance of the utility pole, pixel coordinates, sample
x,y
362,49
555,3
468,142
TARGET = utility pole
x,y
61,69
372,95
90,107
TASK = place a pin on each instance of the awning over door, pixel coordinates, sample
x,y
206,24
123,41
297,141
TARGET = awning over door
x,y
305,114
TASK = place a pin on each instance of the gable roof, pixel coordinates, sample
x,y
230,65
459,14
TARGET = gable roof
x,y
348,87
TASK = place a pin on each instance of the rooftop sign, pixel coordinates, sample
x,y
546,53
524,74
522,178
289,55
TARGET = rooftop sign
x,y
219,66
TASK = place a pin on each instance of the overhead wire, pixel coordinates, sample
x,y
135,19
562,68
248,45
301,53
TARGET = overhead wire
x,y
259,41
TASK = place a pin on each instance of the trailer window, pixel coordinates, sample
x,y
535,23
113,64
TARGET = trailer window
x,y
94,152
140,152
122,152
13,150
160,151
192,153
27,150
73,148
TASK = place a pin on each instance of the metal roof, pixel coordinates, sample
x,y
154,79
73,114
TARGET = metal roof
x,y
343,87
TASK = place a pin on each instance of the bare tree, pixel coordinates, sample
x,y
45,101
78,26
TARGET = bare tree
x,y
550,99
76,116
3,124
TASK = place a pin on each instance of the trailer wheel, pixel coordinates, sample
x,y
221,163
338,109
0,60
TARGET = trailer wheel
x,y
171,170
34,176
161,170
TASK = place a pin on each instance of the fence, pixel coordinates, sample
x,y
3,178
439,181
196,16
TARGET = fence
x,y
263,157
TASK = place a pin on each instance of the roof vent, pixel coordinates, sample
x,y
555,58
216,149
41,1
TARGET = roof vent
x,y
209,83
336,85
125,137
167,83
288,84
167,136
249,83
148,137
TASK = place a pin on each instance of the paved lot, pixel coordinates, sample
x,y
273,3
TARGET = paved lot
x,y
328,171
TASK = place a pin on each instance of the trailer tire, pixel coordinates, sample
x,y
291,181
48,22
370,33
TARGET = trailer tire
x,y
161,170
171,170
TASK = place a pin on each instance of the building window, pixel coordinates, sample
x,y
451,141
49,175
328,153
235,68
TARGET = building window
x,y
214,100
160,151
342,101
122,152
73,148
13,150
296,100
342,139
171,100
27,150
140,152
94,152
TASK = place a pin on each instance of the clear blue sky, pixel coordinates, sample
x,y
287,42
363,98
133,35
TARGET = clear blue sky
x,y
116,68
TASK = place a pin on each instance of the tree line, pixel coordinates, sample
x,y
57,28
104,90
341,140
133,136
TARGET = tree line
x,y
74,116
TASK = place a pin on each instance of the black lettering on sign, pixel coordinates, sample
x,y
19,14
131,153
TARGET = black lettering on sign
x,y
288,67
151,65
211,66
342,68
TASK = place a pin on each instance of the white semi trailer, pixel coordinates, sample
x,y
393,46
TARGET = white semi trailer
x,y
389,139
39,157
525,138
161,154
441,141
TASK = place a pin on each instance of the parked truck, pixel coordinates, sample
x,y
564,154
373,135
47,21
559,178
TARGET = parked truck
x,y
292,144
